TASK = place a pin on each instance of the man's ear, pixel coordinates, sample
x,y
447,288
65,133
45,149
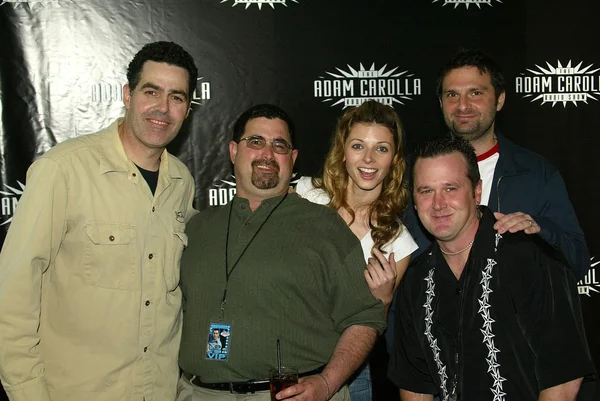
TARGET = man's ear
x,y
232,151
126,96
500,102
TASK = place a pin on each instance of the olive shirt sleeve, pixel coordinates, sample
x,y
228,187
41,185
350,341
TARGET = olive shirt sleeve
x,y
362,308
351,299
29,250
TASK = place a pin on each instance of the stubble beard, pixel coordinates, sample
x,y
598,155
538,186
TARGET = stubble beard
x,y
265,180
477,130
472,133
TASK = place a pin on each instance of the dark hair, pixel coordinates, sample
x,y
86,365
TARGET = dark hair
x,y
473,58
162,52
446,145
268,111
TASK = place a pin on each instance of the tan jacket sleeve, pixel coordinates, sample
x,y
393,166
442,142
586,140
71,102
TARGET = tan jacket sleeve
x,y
28,252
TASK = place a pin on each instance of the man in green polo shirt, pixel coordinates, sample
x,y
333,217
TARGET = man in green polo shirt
x,y
271,266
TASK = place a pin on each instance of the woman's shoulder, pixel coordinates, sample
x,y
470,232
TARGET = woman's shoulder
x,y
402,245
306,190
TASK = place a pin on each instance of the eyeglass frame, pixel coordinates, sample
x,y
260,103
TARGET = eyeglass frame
x,y
270,142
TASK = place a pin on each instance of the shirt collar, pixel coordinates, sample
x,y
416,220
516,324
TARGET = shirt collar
x,y
268,203
114,159
484,245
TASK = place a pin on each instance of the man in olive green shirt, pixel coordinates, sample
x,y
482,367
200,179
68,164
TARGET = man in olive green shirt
x,y
90,307
271,266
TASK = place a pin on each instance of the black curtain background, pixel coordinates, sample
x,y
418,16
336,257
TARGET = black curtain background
x,y
63,62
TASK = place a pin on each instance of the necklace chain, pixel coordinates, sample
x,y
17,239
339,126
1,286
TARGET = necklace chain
x,y
457,252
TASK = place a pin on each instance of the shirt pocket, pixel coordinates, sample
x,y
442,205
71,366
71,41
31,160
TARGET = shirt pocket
x,y
110,255
180,242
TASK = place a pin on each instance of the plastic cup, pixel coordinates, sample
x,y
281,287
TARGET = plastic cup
x,y
280,380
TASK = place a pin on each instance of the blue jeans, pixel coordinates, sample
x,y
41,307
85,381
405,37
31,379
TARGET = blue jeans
x,y
360,385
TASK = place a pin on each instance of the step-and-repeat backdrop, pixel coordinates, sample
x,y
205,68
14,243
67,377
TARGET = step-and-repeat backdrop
x,y
63,62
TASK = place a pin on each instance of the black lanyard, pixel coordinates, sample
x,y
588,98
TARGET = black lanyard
x,y
228,272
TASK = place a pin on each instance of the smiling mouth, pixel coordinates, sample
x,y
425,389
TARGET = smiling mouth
x,y
368,170
265,168
441,218
466,116
367,173
158,122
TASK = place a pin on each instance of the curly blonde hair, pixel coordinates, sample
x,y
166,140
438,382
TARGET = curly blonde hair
x,y
393,199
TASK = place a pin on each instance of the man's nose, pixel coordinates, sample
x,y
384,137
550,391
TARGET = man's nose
x,y
464,102
267,150
439,201
163,104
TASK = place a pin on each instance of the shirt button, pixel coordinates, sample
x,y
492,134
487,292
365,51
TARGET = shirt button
x,y
153,208
458,291
111,238
243,206
150,256
147,303
133,174
145,349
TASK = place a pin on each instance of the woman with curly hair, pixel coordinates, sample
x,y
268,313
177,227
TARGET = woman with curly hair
x,y
363,181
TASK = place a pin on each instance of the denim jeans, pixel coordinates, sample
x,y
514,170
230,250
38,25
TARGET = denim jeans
x,y
360,385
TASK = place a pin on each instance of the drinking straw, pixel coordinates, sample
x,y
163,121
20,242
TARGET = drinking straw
x,y
278,356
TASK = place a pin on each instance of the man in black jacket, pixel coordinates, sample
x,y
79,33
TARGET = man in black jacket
x,y
525,191
483,314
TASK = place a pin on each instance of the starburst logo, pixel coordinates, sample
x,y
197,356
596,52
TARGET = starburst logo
x,y
356,86
589,283
467,3
30,2
107,92
259,3
560,84
201,93
9,201
222,193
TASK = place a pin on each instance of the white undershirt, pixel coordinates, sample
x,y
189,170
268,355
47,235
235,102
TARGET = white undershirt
x,y
402,246
486,171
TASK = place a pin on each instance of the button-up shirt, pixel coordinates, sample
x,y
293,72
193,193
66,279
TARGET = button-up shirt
x,y
90,307
296,274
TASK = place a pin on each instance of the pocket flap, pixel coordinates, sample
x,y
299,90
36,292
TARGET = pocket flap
x,y
106,233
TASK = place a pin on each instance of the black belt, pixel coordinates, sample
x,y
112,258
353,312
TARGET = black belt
x,y
247,387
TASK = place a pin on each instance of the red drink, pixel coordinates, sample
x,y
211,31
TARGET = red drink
x,y
280,380
278,385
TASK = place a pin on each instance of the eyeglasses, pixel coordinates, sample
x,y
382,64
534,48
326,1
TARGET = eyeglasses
x,y
256,142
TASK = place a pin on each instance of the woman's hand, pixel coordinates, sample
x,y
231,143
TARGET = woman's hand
x,y
381,276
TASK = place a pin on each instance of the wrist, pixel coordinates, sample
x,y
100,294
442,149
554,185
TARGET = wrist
x,y
326,385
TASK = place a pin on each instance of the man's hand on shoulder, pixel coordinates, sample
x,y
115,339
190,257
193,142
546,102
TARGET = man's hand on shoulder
x,y
514,222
